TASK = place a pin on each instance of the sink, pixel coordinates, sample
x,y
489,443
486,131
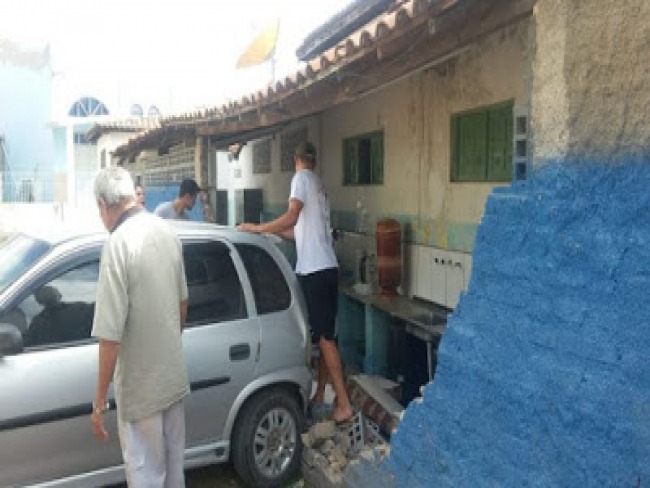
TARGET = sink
x,y
427,319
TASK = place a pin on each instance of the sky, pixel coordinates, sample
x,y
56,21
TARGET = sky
x,y
181,53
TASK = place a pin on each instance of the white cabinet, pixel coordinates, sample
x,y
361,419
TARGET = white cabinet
x,y
438,275
422,279
455,277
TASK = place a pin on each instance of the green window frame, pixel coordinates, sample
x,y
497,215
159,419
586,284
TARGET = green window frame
x,y
363,159
481,144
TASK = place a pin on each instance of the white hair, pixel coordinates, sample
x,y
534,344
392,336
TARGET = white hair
x,y
114,186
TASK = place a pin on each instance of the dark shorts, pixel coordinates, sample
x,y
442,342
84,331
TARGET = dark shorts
x,y
321,294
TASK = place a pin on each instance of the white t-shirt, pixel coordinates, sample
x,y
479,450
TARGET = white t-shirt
x,y
166,210
312,231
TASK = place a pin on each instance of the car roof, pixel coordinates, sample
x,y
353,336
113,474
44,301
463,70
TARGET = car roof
x,y
185,229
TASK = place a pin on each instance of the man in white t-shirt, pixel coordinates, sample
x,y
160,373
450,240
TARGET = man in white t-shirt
x,y
140,312
307,221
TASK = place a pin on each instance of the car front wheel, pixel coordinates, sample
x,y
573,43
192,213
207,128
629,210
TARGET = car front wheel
x,y
267,446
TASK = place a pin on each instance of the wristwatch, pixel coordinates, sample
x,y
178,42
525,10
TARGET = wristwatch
x,y
100,409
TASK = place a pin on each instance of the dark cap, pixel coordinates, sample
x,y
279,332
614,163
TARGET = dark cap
x,y
307,151
189,187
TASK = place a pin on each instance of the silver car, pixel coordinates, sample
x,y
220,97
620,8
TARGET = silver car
x,y
246,346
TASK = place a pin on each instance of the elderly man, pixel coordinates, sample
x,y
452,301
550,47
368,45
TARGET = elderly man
x,y
139,316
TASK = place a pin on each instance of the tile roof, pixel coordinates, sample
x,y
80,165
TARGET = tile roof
x,y
131,124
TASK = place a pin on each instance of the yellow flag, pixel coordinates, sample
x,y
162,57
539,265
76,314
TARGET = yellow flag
x,y
262,47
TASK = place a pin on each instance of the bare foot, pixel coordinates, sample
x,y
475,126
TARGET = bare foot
x,y
342,415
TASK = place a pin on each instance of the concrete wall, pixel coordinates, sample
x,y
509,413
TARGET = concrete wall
x,y
237,174
590,90
542,376
108,142
415,116
43,217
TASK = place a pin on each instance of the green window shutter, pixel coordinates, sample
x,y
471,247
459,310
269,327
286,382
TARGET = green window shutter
x,y
349,162
499,147
454,148
377,158
354,162
346,163
472,147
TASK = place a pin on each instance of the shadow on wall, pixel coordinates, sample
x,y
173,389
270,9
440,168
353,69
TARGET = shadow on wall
x,y
542,376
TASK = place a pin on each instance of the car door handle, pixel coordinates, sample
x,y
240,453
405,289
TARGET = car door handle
x,y
239,352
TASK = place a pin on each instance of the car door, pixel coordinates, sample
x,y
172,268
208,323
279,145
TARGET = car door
x,y
221,339
48,388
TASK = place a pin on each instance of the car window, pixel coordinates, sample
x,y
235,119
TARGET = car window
x,y
59,311
215,292
271,291
18,254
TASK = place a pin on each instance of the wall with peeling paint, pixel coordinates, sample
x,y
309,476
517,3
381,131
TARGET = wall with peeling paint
x,y
415,116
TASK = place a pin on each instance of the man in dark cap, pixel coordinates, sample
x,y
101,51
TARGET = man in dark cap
x,y
307,221
178,208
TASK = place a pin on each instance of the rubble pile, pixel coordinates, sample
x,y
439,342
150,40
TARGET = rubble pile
x,y
328,448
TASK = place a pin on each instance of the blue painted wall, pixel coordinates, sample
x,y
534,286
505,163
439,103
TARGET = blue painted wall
x,y
25,115
543,374
158,194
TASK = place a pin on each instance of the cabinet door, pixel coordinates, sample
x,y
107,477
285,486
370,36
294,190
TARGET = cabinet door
x,y
467,270
455,277
423,273
439,277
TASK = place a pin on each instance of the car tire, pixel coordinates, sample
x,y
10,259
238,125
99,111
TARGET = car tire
x,y
267,442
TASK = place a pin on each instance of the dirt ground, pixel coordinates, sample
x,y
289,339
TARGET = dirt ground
x,y
222,475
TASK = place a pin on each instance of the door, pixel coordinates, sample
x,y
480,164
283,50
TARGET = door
x,y
47,389
220,339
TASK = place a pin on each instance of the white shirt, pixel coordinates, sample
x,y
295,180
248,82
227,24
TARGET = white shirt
x,y
312,231
141,284
166,210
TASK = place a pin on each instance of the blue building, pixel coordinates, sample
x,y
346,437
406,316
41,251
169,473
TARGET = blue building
x,y
26,139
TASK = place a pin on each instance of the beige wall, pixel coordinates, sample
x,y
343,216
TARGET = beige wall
x,y
415,116
591,89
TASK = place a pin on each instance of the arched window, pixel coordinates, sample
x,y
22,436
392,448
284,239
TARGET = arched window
x,y
87,107
136,110
153,111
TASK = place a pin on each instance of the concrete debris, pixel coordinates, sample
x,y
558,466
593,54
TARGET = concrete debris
x,y
328,448
325,459
320,432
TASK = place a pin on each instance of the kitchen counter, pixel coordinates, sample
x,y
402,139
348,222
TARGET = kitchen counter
x,y
424,320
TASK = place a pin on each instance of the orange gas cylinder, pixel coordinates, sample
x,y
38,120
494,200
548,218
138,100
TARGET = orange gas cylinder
x,y
389,256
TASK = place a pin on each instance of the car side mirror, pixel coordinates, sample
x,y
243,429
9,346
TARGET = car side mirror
x,y
11,340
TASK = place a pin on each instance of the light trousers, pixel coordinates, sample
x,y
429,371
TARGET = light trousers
x,y
153,449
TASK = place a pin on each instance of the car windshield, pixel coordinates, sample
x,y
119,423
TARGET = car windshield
x,y
17,255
